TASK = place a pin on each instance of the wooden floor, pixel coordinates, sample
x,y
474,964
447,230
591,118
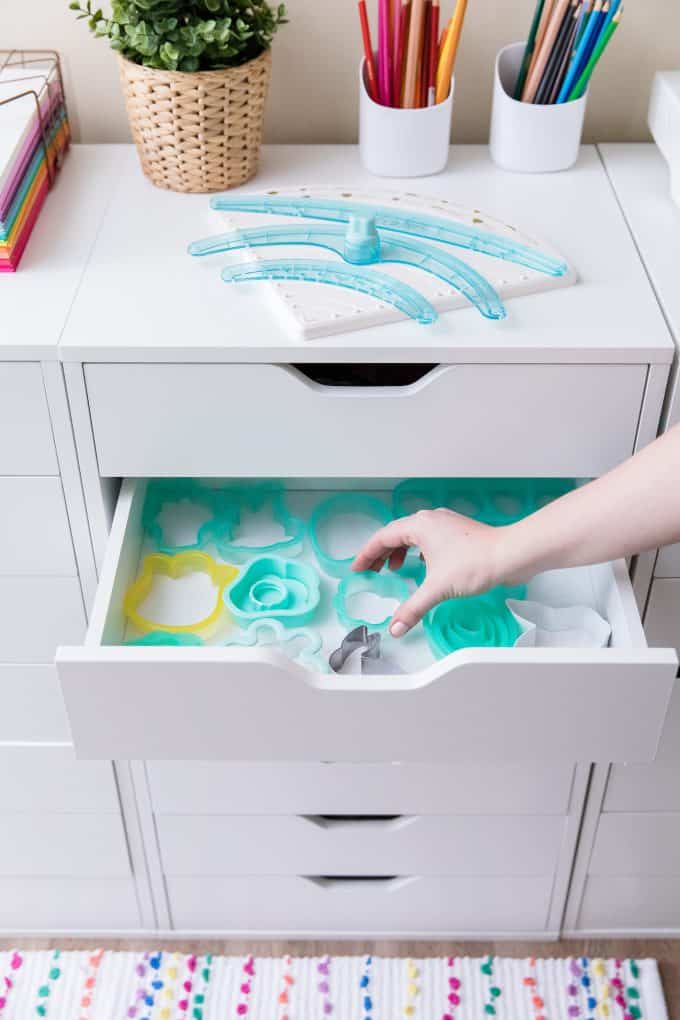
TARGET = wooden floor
x,y
666,951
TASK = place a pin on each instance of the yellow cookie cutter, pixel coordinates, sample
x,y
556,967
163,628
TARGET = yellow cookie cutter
x,y
175,566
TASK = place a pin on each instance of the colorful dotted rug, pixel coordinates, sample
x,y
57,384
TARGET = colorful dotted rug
x,y
166,985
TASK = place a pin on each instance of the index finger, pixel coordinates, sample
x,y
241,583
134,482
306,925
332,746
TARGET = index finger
x,y
395,535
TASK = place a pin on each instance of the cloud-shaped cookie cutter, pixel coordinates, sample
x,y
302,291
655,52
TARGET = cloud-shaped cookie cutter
x,y
385,585
277,588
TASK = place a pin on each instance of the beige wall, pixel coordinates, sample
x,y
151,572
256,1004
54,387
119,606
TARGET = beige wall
x,y
314,89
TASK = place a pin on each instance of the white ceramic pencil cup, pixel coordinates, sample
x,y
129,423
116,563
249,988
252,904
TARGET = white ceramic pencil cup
x,y
403,143
529,137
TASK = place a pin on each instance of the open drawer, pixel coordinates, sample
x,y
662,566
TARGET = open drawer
x,y
252,703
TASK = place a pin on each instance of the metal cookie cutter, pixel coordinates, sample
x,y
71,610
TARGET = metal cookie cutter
x,y
373,663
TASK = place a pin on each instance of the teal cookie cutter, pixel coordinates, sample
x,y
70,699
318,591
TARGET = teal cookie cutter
x,y
274,587
271,633
495,501
363,245
473,621
385,585
223,530
367,281
161,493
158,638
415,224
343,504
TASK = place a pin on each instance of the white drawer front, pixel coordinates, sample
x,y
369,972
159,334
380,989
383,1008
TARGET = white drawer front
x,y
668,561
662,619
51,779
630,903
38,614
26,443
497,703
59,904
34,530
68,846
643,788
637,844
32,706
536,420
422,845
203,788
408,906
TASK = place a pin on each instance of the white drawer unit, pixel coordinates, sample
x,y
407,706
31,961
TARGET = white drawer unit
x,y
321,905
35,538
509,845
33,709
497,703
26,443
374,431
38,614
54,905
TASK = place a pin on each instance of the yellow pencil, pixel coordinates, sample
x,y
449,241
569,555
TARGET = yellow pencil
x,y
448,54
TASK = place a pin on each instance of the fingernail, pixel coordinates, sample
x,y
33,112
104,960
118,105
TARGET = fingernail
x,y
398,628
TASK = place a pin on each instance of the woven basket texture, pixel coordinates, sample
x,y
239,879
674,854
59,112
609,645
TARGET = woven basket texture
x,y
197,132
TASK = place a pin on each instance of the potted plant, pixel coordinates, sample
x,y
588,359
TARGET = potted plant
x,y
195,75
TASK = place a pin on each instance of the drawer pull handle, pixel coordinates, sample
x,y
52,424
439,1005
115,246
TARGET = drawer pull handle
x,y
373,376
380,822
376,883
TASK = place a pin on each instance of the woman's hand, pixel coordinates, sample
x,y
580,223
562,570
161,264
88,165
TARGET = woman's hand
x,y
462,557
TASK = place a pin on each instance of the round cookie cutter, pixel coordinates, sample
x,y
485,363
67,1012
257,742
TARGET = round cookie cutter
x,y
176,566
343,504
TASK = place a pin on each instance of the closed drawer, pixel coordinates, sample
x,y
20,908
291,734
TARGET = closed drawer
x,y
423,845
662,618
630,903
67,904
32,706
644,788
26,443
37,614
34,530
360,907
637,844
203,788
668,561
181,419
62,845
50,779
495,703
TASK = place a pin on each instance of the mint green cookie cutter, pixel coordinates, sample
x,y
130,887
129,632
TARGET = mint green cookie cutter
x,y
274,587
474,621
547,489
385,585
494,501
343,504
268,632
161,493
223,529
158,638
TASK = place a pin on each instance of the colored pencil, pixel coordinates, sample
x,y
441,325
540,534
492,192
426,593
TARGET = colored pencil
x,y
546,14
413,52
556,54
432,54
582,83
535,76
424,65
448,56
528,50
582,21
371,76
564,63
583,47
400,50
384,71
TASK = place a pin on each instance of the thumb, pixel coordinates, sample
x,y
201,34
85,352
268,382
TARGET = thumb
x,y
414,608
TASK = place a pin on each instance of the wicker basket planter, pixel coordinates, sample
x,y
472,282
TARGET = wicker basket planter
x,y
197,132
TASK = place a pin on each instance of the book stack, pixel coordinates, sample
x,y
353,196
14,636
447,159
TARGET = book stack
x,y
34,135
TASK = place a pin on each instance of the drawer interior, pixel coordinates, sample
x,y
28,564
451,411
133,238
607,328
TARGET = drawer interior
x,y
183,601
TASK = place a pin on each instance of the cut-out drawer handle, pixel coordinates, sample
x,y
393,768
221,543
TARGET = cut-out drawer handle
x,y
363,376
368,883
375,822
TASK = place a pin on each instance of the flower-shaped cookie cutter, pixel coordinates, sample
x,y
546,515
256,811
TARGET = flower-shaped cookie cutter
x,y
223,530
386,585
272,633
160,638
164,492
274,587
176,566
343,504
474,621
